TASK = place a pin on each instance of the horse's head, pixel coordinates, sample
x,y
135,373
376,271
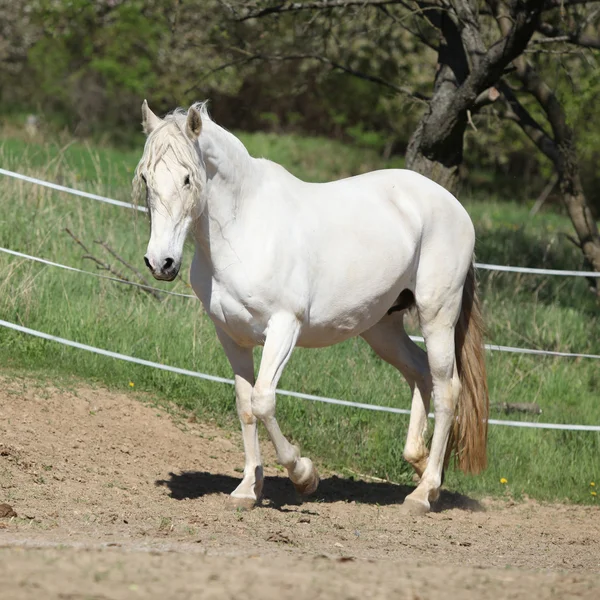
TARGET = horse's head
x,y
172,177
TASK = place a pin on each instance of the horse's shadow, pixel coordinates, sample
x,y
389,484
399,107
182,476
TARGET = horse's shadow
x,y
279,492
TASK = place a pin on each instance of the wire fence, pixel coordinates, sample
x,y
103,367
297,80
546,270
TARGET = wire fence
x,y
216,379
484,266
99,275
414,338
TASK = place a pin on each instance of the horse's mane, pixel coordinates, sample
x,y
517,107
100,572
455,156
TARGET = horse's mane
x,y
169,135
179,115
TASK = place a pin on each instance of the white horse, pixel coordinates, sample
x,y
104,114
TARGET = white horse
x,y
281,263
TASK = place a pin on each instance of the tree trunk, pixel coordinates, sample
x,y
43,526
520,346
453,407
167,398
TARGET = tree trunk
x,y
435,148
466,68
576,203
440,163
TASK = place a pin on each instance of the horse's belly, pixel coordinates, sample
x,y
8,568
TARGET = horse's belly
x,y
344,299
247,326
341,319
324,335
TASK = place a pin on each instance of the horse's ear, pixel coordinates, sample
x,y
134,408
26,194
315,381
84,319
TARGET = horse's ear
x,y
149,120
193,127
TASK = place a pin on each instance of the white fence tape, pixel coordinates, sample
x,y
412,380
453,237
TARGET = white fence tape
x,y
487,267
414,338
76,270
509,269
214,378
68,190
494,347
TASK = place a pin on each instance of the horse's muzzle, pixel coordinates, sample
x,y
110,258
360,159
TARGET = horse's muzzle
x,y
165,275
167,271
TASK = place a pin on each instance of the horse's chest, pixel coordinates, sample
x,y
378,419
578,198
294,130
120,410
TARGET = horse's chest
x,y
237,318
236,299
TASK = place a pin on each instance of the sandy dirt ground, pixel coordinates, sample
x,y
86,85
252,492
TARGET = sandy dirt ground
x,y
105,496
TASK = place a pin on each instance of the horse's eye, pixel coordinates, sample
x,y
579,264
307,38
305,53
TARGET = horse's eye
x,y
144,179
186,181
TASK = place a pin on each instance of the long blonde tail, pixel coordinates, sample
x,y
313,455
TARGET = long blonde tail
x,y
469,437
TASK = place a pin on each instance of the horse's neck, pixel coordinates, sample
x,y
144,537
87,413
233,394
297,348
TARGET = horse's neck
x,y
226,157
230,177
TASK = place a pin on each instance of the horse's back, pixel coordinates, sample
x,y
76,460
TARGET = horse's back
x,y
393,217
440,228
374,235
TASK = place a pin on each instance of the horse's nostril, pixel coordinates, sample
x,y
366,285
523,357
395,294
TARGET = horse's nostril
x,y
147,262
168,264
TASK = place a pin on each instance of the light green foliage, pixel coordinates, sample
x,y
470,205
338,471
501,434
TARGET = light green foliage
x,y
88,65
540,312
90,56
128,34
309,159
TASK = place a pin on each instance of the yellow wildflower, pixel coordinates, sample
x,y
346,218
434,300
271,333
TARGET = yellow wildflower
x,y
593,493
131,384
592,483
503,480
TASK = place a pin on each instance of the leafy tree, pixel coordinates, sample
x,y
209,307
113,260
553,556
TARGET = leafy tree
x,y
431,77
488,53
94,58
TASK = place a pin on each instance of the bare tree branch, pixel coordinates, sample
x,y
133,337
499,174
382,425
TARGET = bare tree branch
x,y
550,4
562,151
285,7
470,33
322,59
486,98
373,78
578,38
490,67
518,407
106,267
232,63
542,50
517,113
123,262
543,196
418,34
515,40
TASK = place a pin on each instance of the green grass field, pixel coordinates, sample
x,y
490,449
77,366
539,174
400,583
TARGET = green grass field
x,y
520,310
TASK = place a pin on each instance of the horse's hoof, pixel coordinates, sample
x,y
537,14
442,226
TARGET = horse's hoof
x,y
242,502
414,506
308,485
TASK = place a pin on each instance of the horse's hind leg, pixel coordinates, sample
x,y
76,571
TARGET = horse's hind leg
x,y
438,321
249,491
282,334
390,341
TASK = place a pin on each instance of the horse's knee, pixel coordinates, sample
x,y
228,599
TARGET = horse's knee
x,y
445,395
247,418
417,456
263,402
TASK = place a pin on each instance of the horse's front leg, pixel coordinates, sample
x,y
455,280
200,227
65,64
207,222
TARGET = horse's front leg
x,y
282,334
248,493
